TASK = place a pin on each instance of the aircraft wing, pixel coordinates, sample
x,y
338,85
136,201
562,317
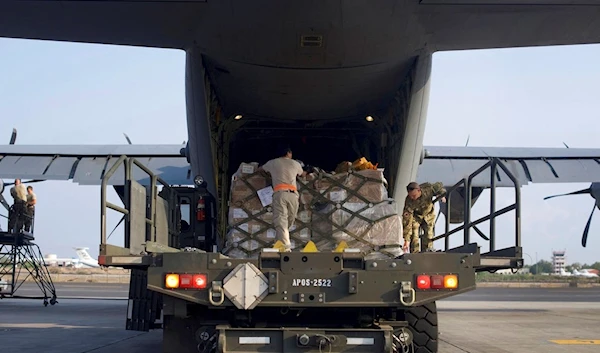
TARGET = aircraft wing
x,y
87,164
481,24
125,22
449,165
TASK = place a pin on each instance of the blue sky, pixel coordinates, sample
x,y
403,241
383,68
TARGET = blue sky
x,y
67,93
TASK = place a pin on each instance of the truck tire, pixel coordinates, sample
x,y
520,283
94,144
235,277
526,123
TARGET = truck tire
x,y
178,335
423,324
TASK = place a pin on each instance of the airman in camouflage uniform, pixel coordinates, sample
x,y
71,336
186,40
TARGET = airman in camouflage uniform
x,y
410,230
419,212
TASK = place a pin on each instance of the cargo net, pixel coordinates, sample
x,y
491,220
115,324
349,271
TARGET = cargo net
x,y
351,206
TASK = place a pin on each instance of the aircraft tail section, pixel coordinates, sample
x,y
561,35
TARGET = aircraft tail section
x,y
85,259
83,254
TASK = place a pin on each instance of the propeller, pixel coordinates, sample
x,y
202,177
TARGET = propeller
x,y
127,138
594,191
2,200
13,137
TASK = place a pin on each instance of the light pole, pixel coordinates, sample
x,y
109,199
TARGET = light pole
x,y
530,259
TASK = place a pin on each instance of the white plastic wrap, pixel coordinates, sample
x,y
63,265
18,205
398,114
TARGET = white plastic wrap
x,y
375,230
378,233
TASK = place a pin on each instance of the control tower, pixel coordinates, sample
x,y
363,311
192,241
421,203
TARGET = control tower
x,y
559,262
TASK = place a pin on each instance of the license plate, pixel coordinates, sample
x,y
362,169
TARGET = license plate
x,y
311,282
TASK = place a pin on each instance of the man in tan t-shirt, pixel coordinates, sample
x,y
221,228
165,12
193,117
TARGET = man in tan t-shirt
x,y
19,194
30,210
284,171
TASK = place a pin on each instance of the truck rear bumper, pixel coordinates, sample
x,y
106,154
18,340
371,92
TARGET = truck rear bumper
x,y
305,340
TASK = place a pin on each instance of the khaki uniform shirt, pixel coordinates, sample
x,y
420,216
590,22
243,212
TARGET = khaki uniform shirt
x,y
19,192
31,197
283,171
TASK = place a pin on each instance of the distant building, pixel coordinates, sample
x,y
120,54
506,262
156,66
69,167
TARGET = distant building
x,y
559,262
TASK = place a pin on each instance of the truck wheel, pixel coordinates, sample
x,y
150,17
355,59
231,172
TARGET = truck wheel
x,y
178,336
423,324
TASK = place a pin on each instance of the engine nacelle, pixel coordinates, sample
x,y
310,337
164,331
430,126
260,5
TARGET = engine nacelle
x,y
457,203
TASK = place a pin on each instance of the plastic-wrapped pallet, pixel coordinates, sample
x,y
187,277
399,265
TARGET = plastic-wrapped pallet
x,y
350,206
374,229
354,208
250,219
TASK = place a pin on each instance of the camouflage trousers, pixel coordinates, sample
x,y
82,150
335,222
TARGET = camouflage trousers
x,y
16,217
411,226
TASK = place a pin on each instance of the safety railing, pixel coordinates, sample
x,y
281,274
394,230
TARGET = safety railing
x,y
128,164
468,224
20,222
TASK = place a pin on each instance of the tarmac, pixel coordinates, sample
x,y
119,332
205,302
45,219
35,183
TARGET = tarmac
x,y
487,320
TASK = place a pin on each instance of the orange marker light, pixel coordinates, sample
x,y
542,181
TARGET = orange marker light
x,y
451,281
172,280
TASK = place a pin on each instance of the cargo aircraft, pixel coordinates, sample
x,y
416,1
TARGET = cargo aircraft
x,y
350,76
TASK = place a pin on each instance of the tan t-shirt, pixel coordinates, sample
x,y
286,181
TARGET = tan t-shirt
x,y
283,171
30,198
19,192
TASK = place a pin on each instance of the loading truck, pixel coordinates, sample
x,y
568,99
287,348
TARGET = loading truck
x,y
307,300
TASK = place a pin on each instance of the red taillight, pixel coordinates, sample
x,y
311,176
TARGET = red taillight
x,y
423,282
199,281
437,282
185,281
200,210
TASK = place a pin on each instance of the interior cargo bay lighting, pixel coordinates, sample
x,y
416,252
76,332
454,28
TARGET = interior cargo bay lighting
x,y
172,280
423,282
369,118
198,180
238,117
450,281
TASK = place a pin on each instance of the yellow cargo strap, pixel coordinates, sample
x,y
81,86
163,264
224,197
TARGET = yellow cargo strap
x,y
310,247
341,246
279,245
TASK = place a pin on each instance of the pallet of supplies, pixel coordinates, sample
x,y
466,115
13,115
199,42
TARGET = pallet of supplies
x,y
350,206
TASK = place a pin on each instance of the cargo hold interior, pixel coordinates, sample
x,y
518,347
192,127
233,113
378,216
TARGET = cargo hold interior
x,y
322,145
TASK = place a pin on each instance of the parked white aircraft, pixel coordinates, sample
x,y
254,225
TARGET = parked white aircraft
x,y
565,273
83,260
584,273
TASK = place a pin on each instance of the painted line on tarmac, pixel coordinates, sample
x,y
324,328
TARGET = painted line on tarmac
x,y
576,342
92,298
